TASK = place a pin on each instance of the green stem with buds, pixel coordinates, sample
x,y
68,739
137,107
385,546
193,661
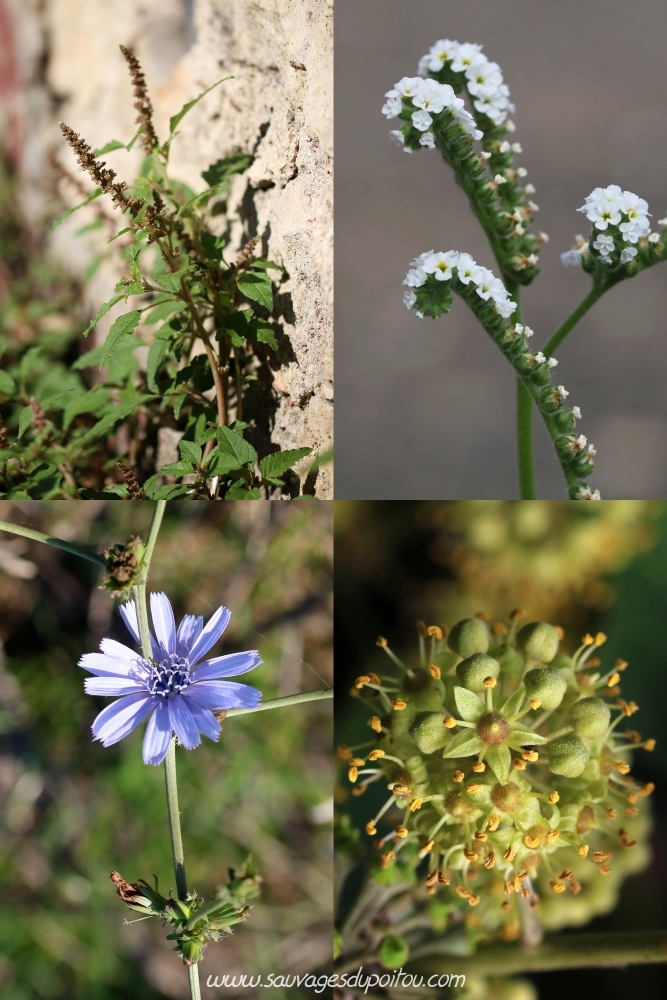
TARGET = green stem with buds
x,y
58,543
170,759
290,699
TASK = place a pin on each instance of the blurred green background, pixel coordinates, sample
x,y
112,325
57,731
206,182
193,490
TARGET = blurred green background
x,y
72,810
584,566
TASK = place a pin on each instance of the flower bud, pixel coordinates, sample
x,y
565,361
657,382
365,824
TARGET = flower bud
x,y
590,717
429,731
393,951
538,640
190,950
473,672
493,728
547,684
460,807
567,755
507,797
469,636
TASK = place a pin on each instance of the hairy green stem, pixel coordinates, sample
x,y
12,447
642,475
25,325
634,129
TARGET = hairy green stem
x,y
572,320
524,431
57,543
562,951
290,699
170,760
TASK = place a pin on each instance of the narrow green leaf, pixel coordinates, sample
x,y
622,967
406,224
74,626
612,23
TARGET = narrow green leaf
x,y
156,353
48,403
190,452
281,461
499,760
265,334
169,492
102,311
233,444
464,744
512,705
25,419
256,287
221,170
70,211
110,146
134,138
92,401
163,311
105,425
172,282
175,119
521,738
121,233
7,384
90,227
124,324
265,264
468,704
182,468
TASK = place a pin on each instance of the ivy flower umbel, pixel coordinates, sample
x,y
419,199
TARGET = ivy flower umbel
x,y
178,689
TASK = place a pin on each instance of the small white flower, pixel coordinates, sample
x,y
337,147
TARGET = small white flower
x,y
521,172
586,494
544,237
466,268
606,259
517,147
562,392
440,53
627,254
409,298
510,126
484,155
581,442
440,265
654,238
505,307
576,413
422,120
418,261
505,147
530,189
393,107
540,358
662,222
484,280
499,179
408,86
552,362
397,137
415,278
427,140
604,243
571,258
419,315
466,55
519,328
431,96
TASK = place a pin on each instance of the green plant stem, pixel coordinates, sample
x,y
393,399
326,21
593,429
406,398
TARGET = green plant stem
x,y
562,951
572,320
58,543
170,760
290,699
524,431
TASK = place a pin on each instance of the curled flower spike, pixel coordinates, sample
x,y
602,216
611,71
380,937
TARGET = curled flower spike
x,y
178,690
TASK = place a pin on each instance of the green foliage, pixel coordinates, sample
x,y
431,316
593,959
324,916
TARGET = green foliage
x,y
191,354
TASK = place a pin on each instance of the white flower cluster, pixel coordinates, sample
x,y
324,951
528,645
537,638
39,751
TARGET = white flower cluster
x,y
586,494
484,78
611,206
442,266
428,98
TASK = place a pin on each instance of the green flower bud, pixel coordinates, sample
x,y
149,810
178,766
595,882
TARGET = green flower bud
x,y
393,951
507,797
547,684
567,755
428,731
590,717
416,768
473,672
469,636
190,950
493,728
538,641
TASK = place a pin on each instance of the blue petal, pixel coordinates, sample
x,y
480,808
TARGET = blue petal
x,y
113,687
128,612
117,720
188,633
119,651
205,721
163,622
210,634
105,666
158,734
226,666
182,722
222,694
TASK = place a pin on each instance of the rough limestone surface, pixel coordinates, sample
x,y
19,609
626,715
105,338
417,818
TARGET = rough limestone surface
x,y
278,105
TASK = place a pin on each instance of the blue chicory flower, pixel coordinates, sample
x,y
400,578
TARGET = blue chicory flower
x,y
178,690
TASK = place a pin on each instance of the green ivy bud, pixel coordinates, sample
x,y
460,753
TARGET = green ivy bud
x,y
393,951
473,672
547,684
469,636
567,755
460,807
507,797
493,728
590,717
428,731
538,641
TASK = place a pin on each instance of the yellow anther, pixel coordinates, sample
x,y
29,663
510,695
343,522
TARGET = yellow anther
x,y
621,664
427,847
344,752
627,707
431,880
479,767
519,764
473,789
434,631
489,682
470,854
473,900
631,811
434,671
530,755
632,797
381,641
494,820
554,798
622,767
599,857
375,724
649,744
613,680
415,805
531,842
566,875
449,721
559,632
458,776
509,853
648,789
517,613
611,813
583,850
361,681
556,886
398,704
535,703
604,870
371,828
462,892
401,789
480,835
600,639
552,835
376,754
587,640
357,762
386,858
509,888
443,879
401,831
353,774
490,861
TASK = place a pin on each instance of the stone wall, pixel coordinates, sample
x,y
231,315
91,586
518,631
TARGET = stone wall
x,y
278,106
